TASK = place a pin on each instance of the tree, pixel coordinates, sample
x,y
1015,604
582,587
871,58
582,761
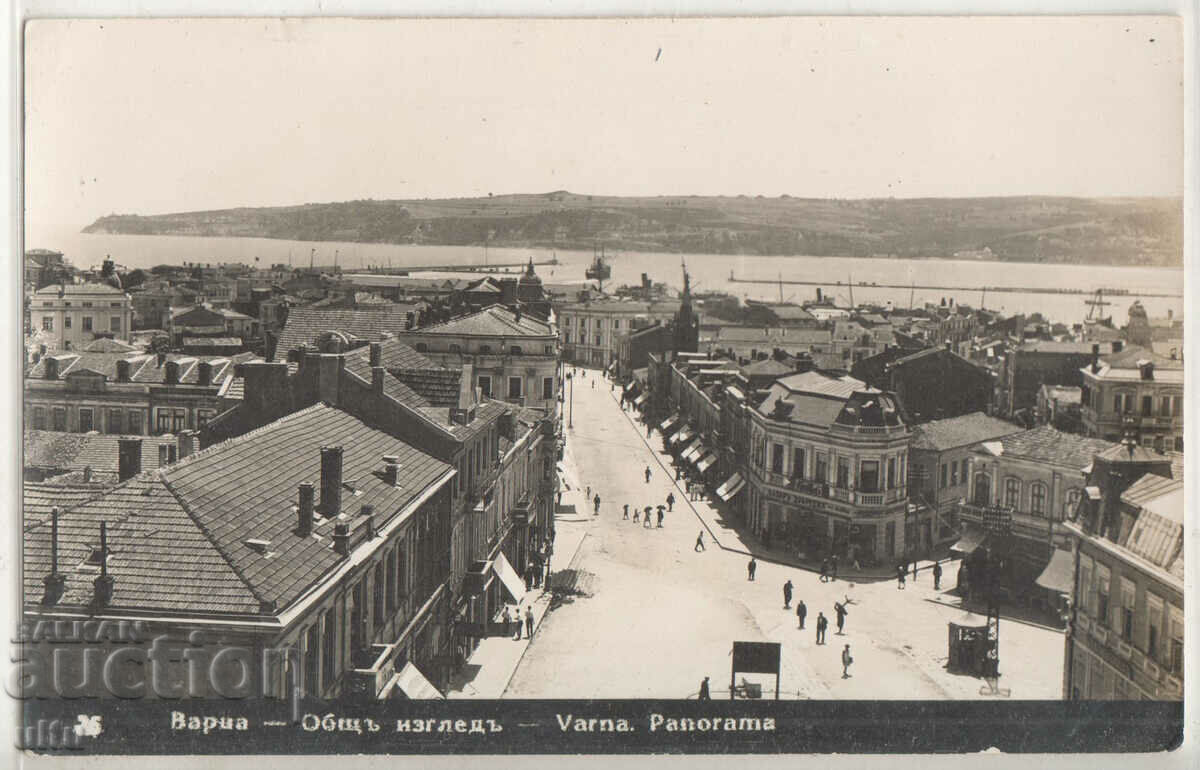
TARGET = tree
x,y
134,278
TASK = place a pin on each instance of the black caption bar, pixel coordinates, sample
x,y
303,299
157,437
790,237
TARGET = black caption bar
x,y
602,727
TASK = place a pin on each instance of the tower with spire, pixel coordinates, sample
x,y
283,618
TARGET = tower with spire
x,y
685,333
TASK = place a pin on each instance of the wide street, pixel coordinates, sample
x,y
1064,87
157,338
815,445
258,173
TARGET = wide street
x,y
650,617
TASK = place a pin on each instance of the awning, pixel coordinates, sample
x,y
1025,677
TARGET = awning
x,y
509,577
731,487
682,436
972,538
687,450
706,462
413,684
669,421
698,451
1059,574
641,399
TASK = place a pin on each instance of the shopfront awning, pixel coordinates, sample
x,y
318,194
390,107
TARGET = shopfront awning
x,y
509,577
1059,574
706,462
972,538
688,449
641,399
696,453
413,684
667,423
683,435
731,487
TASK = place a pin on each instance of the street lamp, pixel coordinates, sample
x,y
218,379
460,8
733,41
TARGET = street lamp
x,y
571,404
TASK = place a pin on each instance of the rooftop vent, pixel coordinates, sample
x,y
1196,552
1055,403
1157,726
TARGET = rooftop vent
x,y
260,546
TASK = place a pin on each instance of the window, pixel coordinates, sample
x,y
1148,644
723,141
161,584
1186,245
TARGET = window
x,y
869,476
843,472
963,475
39,418
401,574
170,420
60,418
87,420
1084,591
954,474
514,387
455,347
390,560
203,416
1147,406
485,349
798,463
1072,503
1164,406
67,322
1175,659
777,458
114,304
134,422
891,473
821,471
547,388
328,646
485,385
945,473
377,595
115,323
48,323
114,420
567,337
1123,403
87,323
515,350
1103,580
312,683
1154,611
1037,499
616,323
1179,443
1177,407
1012,492
1128,594
597,339
421,347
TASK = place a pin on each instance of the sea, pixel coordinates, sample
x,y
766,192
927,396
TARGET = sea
x,y
970,282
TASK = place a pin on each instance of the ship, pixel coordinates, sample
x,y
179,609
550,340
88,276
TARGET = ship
x,y
599,270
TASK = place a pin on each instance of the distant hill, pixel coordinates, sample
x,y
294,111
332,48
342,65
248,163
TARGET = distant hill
x,y
1116,231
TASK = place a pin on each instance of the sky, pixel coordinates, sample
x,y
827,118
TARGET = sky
x,y
162,116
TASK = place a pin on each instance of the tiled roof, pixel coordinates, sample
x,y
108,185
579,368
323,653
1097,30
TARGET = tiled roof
x,y
768,367
1129,357
791,313
1051,346
816,410
144,369
1150,487
619,306
494,321
1046,444
178,535
39,499
55,450
1121,453
195,342
305,324
75,289
485,413
939,435
439,387
393,354
107,345
821,384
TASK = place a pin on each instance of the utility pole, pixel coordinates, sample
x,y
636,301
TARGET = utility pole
x,y
571,404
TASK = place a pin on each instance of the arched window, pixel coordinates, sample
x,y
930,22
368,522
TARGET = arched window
x,y
454,348
1012,492
485,349
515,350
983,489
1071,503
1037,499
422,347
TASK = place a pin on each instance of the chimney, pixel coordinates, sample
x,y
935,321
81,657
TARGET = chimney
x,y
376,354
1095,357
331,481
818,294
204,373
172,375
87,474
1147,369
129,458
123,370
187,443
377,375
391,469
295,356
104,584
161,358
1118,345
341,539
266,386
51,368
517,313
304,511
55,582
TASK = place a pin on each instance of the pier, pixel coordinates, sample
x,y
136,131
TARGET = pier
x,y
485,268
930,287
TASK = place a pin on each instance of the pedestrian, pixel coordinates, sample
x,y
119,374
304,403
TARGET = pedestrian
x,y
822,624
518,624
546,579
660,516
588,494
626,516
704,691
750,568
801,613
647,467
833,567
529,622
846,661
787,595
596,503
529,577
914,575
900,573
506,621
559,501
678,472
824,570
937,576
699,542
646,518
648,426
842,612
635,515
670,501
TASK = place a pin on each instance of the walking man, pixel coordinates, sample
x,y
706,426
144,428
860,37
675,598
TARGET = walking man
x,y
647,467
670,501
833,566
646,523
660,516
841,611
635,515
704,691
506,621
846,661
588,494
626,516
596,502
937,576
699,542
750,568
529,622
900,572
518,624
787,595
801,613
824,570
822,624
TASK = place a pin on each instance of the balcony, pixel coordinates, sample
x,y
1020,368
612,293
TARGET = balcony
x,y
870,430
374,672
522,510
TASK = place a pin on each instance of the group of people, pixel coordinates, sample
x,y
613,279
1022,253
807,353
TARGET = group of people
x,y
902,571
508,620
646,515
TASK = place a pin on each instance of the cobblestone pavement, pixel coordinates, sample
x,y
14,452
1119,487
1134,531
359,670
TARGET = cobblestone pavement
x,y
649,616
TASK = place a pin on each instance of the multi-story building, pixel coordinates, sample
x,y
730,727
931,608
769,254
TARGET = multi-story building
x,y
1125,576
316,549
938,470
73,314
306,325
1058,405
127,392
514,355
829,460
209,321
1044,362
590,329
1138,387
42,266
750,343
932,384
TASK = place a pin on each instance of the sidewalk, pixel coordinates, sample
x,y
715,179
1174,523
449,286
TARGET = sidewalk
x,y
491,666
732,536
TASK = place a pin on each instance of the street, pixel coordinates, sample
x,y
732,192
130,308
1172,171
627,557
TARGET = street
x,y
644,615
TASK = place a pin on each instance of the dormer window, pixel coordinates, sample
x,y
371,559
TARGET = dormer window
x,y
95,557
